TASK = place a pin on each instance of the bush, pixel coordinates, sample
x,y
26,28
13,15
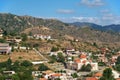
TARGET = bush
x,y
26,63
43,67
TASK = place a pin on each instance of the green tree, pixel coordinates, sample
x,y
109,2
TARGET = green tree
x,y
25,76
83,68
8,64
117,67
2,40
74,75
2,77
15,77
24,37
88,67
61,58
107,74
43,67
26,63
54,49
118,60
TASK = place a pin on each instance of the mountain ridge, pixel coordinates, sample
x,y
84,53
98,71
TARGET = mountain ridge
x,y
14,24
111,27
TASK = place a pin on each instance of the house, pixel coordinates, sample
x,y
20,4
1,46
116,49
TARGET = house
x,y
5,48
43,37
91,78
70,51
55,53
79,62
1,32
10,73
42,79
36,73
115,74
18,39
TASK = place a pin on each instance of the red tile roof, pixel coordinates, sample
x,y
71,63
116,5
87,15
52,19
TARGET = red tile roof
x,y
42,79
77,60
56,75
91,78
98,74
118,79
83,56
84,61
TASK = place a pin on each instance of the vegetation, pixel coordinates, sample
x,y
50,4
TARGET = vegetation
x,y
23,70
87,67
43,67
117,65
60,58
107,74
101,64
74,75
54,49
26,63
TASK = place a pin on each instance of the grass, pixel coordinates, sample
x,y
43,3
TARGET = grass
x,y
21,55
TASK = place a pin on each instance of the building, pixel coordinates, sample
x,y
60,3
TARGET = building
x,y
5,48
43,37
79,62
10,73
36,73
70,51
91,78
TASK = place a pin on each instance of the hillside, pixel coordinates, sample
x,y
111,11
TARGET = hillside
x,y
110,28
13,24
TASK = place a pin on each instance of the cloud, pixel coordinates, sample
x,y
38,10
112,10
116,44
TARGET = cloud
x,y
92,3
86,19
104,11
104,20
65,11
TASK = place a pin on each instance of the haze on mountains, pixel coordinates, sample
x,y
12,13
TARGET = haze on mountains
x,y
87,31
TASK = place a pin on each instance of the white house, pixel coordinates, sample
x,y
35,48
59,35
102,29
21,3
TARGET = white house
x,y
5,48
43,37
115,74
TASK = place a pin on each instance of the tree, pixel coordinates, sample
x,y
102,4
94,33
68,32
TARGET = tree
x,y
118,60
26,63
2,77
24,37
8,64
107,74
61,58
2,41
42,67
25,76
82,68
74,75
54,49
15,77
117,67
88,67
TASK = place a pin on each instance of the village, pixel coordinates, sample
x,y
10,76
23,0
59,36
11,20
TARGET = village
x,y
57,64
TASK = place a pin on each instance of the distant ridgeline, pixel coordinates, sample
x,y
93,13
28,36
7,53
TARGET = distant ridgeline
x,y
13,25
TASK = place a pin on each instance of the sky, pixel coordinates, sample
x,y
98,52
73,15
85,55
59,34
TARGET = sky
x,y
103,12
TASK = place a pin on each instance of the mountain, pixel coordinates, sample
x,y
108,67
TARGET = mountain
x,y
13,24
113,27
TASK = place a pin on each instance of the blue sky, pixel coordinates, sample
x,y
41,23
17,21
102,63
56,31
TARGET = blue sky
x,y
102,12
